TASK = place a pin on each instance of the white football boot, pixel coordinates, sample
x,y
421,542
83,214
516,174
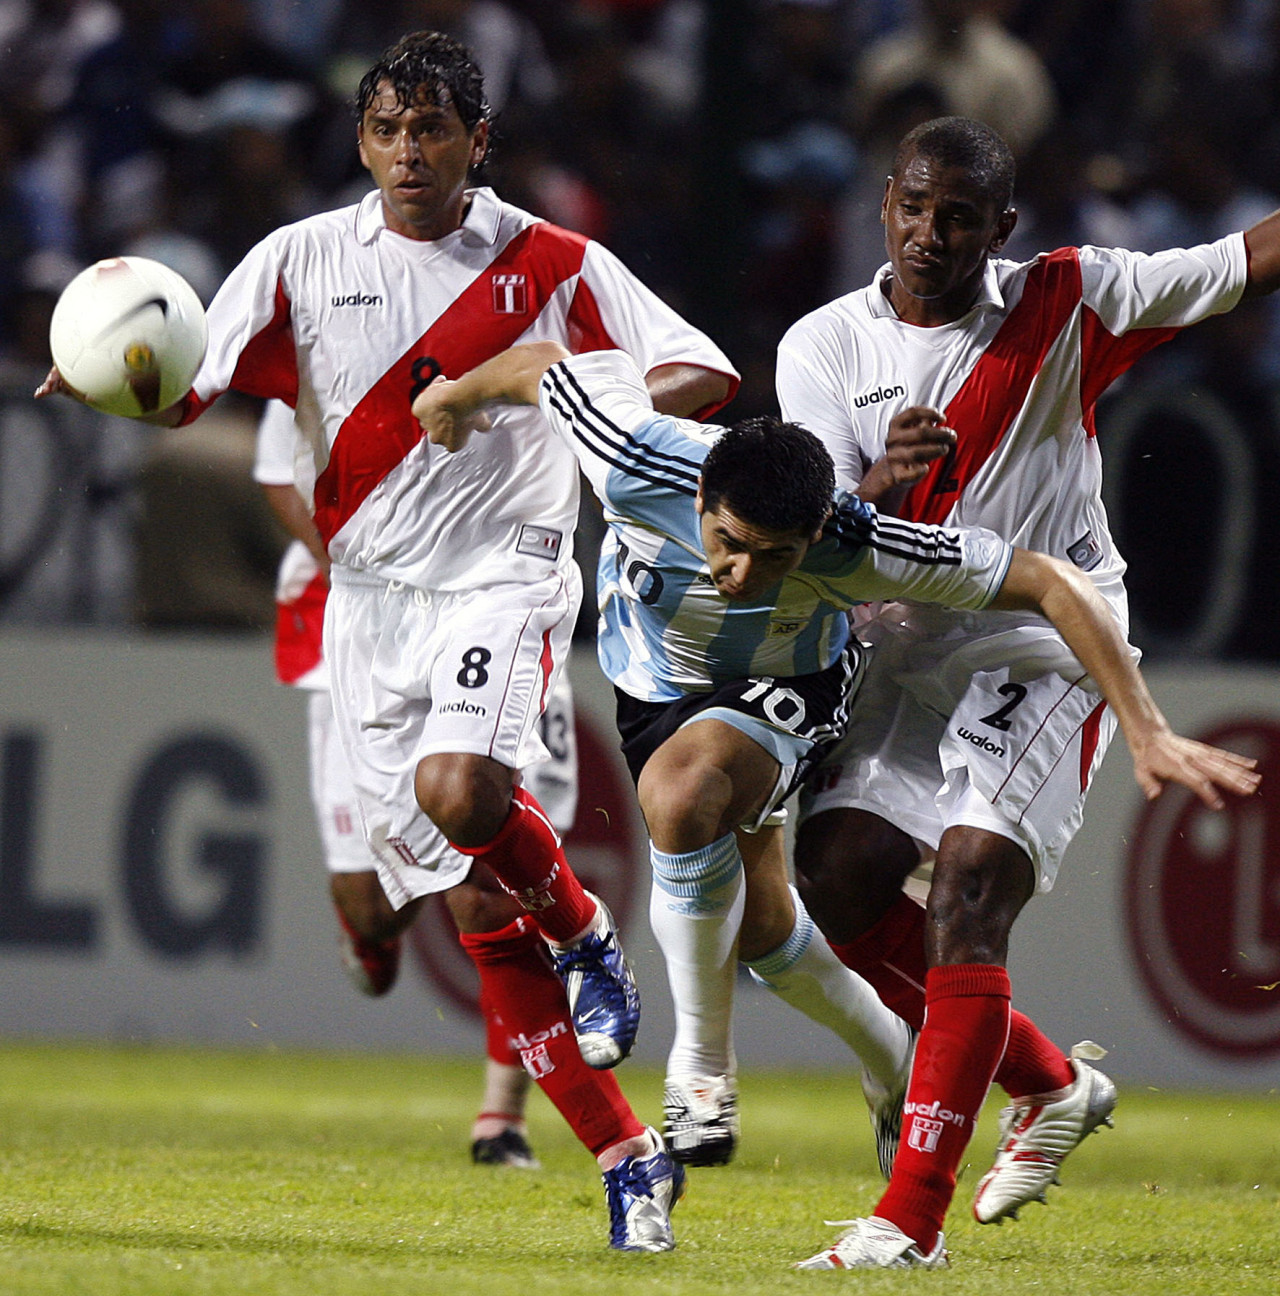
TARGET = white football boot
x,y
700,1123
1037,1133
876,1244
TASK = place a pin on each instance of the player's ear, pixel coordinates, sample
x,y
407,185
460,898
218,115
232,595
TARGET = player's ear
x,y
817,535
699,503
1004,227
479,143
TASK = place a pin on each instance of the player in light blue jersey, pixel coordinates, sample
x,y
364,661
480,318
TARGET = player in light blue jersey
x,y
723,589
668,628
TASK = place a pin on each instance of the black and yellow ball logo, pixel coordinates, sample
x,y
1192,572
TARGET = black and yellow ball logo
x,y
139,358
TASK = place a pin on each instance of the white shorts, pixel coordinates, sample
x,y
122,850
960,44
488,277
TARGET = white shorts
x,y
415,673
333,795
554,781
990,726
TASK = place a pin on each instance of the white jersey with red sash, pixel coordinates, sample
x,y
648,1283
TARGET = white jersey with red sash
x,y
1018,377
989,721
344,319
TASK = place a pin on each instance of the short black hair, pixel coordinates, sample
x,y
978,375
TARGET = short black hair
x,y
967,144
772,474
429,64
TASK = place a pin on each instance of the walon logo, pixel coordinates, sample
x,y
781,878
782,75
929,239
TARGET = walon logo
x,y
981,741
880,394
359,299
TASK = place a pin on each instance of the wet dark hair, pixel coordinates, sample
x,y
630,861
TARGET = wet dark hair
x,y
772,474
969,145
431,65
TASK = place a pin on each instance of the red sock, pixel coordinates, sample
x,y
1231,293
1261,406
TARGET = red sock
x,y
527,859
1032,1063
527,995
497,1041
891,957
965,1032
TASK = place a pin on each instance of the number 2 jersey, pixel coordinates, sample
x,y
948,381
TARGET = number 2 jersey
x,y
665,630
346,321
1017,377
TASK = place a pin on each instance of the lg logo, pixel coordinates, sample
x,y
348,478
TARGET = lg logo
x,y
168,824
1203,901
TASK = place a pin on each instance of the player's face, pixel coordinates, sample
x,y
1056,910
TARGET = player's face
x,y
419,156
940,228
746,560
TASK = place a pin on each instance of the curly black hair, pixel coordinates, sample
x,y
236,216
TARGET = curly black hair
x,y
772,474
431,65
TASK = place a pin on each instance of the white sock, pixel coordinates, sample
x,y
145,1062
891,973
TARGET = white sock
x,y
505,1091
695,910
804,972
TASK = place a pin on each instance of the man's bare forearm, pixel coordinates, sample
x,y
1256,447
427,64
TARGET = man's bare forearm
x,y
1082,617
511,377
685,390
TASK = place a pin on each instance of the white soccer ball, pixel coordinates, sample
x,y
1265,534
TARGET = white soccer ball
x,y
128,335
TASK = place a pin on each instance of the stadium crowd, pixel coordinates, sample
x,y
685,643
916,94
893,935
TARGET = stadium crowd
x,y
732,152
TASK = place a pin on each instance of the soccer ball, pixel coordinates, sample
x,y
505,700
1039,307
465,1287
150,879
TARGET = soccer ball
x,y
128,335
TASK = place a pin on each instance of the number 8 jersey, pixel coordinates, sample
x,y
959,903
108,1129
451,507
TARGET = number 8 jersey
x,y
346,320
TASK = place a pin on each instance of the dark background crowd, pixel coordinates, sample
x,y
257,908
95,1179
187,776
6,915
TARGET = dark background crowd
x,y
732,152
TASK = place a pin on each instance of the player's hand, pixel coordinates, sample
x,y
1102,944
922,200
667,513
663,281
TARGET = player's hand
x,y
917,437
1169,758
447,421
53,384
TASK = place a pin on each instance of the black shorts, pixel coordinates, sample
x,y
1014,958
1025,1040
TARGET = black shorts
x,y
812,711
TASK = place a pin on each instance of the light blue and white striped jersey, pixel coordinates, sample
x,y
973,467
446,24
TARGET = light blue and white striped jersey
x,y
665,630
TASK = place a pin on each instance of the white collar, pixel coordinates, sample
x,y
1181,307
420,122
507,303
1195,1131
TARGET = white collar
x,y
989,295
480,224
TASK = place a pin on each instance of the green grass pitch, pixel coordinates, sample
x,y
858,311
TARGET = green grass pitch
x,y
146,1171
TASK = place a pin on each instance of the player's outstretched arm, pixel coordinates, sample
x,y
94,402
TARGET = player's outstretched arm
x,y
1069,599
1262,250
449,411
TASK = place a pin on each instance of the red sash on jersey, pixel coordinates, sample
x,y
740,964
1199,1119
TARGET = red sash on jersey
x,y
268,365
994,394
380,431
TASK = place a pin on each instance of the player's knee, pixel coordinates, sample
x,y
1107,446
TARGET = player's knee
x,y
463,796
684,808
977,893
